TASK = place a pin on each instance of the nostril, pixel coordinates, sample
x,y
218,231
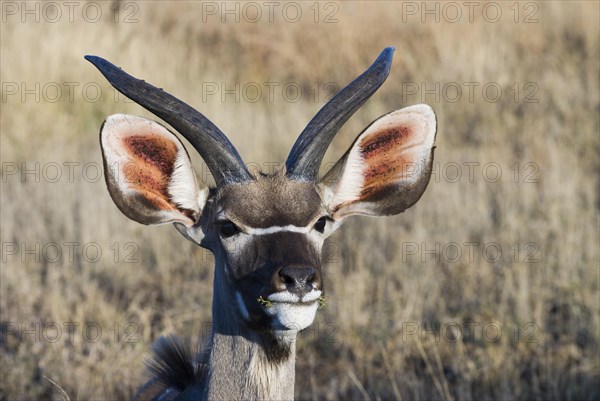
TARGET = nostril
x,y
286,278
297,278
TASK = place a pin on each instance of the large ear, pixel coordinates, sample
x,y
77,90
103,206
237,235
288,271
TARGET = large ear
x,y
387,168
148,172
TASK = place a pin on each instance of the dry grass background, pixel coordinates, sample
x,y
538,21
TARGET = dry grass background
x,y
359,347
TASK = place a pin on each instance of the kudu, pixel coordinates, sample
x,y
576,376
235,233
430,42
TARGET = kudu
x,y
266,231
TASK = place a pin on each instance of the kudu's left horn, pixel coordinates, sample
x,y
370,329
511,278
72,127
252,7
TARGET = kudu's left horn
x,y
221,157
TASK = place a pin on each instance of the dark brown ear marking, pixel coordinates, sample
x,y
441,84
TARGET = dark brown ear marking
x,y
387,168
382,152
154,151
383,142
148,172
150,168
385,157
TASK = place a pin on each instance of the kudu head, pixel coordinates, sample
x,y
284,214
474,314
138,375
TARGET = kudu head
x,y
266,231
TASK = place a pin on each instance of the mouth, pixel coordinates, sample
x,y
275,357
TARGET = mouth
x,y
286,297
291,311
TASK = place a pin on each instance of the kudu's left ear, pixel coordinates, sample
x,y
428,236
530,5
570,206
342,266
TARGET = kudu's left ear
x,y
148,172
387,168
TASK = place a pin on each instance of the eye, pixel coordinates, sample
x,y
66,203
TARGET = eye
x,y
320,224
228,229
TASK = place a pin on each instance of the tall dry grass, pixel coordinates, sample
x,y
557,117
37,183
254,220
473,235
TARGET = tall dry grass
x,y
364,344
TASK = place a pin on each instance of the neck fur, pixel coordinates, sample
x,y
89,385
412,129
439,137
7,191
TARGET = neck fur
x,y
245,362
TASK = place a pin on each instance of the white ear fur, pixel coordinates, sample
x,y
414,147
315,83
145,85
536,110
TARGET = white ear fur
x,y
183,187
387,168
148,172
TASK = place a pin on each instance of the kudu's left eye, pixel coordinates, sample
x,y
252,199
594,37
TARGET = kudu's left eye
x,y
228,229
320,224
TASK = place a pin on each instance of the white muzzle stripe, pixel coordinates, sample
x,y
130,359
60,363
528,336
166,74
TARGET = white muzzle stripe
x,y
288,297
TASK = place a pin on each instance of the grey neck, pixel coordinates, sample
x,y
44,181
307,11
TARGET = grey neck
x,y
245,363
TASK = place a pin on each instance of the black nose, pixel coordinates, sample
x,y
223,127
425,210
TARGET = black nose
x,y
299,279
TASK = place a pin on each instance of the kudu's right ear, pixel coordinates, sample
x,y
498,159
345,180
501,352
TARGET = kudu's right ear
x,y
387,168
148,172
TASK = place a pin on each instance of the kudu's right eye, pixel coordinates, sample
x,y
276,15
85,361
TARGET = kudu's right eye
x,y
228,229
320,224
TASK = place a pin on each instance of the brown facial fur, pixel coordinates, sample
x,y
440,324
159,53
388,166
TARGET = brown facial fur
x,y
274,251
271,201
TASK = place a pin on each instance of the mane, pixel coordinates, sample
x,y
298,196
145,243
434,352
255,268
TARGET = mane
x,y
175,372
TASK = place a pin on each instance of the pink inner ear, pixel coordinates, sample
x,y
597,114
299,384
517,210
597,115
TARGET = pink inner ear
x,y
387,157
153,150
151,164
388,167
